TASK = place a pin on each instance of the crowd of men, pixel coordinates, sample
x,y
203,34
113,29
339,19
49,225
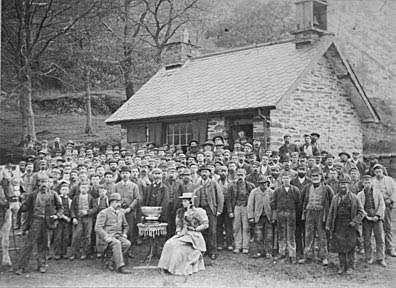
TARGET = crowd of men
x,y
286,204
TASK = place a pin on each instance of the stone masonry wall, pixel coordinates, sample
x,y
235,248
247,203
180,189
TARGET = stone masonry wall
x,y
215,126
319,104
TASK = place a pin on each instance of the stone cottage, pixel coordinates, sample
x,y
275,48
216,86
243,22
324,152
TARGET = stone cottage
x,y
295,86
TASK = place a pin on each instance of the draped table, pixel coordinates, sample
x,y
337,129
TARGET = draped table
x,y
152,230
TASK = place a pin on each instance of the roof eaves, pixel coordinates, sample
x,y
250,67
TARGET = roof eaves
x,y
359,87
197,114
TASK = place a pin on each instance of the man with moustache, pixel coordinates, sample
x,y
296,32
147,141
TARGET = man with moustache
x,y
345,214
224,222
209,196
112,228
287,148
300,181
387,186
316,199
45,208
129,192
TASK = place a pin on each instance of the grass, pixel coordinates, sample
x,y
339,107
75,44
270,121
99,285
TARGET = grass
x,y
49,126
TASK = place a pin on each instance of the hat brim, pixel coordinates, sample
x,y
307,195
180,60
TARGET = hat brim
x,y
344,153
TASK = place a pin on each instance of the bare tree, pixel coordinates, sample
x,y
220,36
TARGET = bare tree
x,y
29,29
143,25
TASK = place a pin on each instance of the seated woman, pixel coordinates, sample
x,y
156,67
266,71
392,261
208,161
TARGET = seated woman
x,y
182,254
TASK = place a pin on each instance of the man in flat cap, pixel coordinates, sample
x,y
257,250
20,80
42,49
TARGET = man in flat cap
x,y
374,206
112,228
287,148
387,186
316,199
345,215
373,160
260,214
44,208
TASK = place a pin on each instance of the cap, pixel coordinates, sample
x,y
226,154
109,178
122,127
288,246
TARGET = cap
x,y
114,197
209,142
204,167
345,179
263,179
367,177
286,135
315,171
378,166
156,170
315,134
125,169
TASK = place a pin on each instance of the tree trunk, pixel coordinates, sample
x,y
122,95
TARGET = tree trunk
x,y
88,126
26,109
129,87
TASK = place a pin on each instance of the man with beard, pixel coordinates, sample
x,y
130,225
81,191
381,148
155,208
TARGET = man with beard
x,y
157,194
109,183
316,199
44,207
285,202
242,162
174,200
232,166
113,167
260,214
129,192
209,196
255,174
374,206
346,212
387,186
300,181
224,222
144,172
286,167
287,148
237,207
112,228
276,181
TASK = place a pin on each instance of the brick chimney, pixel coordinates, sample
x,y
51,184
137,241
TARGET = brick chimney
x,y
311,20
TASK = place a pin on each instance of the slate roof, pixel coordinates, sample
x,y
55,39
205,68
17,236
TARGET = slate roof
x,y
250,77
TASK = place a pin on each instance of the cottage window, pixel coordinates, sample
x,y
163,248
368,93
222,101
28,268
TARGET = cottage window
x,y
179,133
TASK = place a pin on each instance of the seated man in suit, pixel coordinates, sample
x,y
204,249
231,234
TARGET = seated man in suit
x,y
112,228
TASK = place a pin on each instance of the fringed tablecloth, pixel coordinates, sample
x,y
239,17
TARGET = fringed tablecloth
x,y
152,229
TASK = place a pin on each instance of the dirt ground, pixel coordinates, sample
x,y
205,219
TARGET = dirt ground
x,y
228,270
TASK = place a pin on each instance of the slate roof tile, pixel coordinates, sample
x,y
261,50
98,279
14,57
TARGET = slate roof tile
x,y
249,77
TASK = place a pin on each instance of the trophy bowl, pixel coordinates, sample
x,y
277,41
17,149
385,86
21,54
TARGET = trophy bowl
x,y
151,212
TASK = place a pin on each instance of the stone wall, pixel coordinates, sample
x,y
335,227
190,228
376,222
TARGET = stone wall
x,y
216,126
319,104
